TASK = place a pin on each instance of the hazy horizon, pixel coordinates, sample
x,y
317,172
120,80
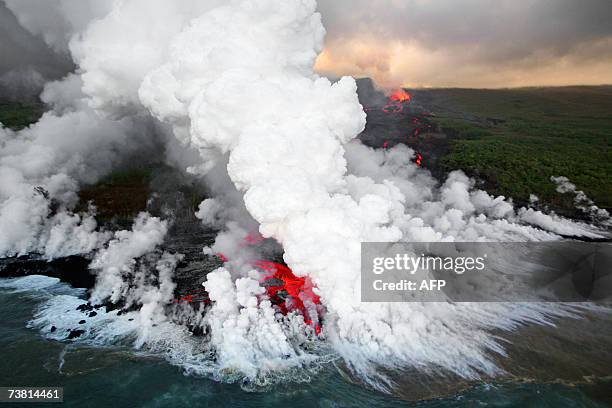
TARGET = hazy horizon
x,y
498,88
469,43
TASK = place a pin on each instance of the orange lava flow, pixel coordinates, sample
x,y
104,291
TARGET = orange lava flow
x,y
400,96
288,292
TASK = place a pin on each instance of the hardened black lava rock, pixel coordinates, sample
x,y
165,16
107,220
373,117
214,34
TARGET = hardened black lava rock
x,y
75,333
73,270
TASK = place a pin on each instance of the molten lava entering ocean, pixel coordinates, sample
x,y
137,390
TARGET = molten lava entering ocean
x,y
288,292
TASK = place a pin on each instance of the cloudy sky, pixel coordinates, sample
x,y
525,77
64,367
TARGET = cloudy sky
x,y
466,43
473,43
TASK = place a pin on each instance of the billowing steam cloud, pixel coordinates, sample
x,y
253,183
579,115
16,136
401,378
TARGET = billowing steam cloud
x,y
42,166
235,81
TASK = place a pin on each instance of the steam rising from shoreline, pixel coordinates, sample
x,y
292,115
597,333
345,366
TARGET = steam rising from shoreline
x,y
235,82
582,202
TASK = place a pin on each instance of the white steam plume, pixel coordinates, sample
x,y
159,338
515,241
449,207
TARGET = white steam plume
x,y
42,166
115,264
239,79
82,137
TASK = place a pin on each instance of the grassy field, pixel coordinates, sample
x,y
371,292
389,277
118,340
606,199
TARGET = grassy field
x,y
516,139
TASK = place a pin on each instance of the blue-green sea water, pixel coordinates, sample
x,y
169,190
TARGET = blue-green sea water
x,y
115,377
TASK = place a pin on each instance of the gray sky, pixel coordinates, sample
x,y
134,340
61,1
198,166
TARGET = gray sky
x,y
473,43
469,42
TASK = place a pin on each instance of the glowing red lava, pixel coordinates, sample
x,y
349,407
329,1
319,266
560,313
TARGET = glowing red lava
x,y
195,296
400,96
290,292
285,290
396,101
419,159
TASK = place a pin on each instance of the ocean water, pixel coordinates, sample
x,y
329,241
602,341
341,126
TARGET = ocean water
x,y
121,377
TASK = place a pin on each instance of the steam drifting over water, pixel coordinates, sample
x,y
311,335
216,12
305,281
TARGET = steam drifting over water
x,y
234,83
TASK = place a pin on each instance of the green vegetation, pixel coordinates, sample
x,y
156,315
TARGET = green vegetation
x,y
153,187
515,140
17,115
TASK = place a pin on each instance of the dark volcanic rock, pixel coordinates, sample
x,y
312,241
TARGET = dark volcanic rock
x,y
189,239
411,124
75,334
85,307
173,197
72,269
369,94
